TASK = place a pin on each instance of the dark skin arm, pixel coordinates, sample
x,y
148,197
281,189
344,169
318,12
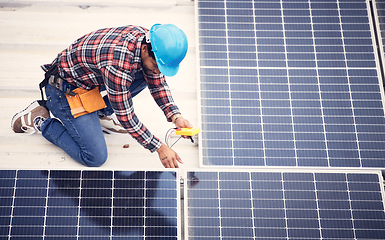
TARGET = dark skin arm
x,y
168,157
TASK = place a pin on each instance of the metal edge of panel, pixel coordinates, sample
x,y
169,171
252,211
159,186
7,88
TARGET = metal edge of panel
x,y
378,45
267,170
85,168
381,177
286,170
264,168
199,90
179,216
184,204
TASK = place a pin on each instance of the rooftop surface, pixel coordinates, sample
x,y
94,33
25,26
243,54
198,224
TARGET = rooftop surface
x,y
34,32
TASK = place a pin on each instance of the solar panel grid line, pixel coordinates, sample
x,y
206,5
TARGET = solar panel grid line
x,y
307,187
361,191
50,205
46,206
220,217
252,206
229,87
13,200
380,6
259,86
317,207
379,57
377,8
295,205
78,231
299,23
284,207
351,98
350,204
96,195
23,187
63,214
353,105
349,34
289,89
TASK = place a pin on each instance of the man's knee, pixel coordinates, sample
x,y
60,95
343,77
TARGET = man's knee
x,y
95,160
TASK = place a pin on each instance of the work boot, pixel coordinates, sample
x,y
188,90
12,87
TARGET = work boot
x,y
111,125
30,119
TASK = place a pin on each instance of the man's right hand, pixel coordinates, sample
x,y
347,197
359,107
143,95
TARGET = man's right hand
x,y
168,157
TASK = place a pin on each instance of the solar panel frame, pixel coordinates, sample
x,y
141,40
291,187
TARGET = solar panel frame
x,y
218,113
279,204
88,204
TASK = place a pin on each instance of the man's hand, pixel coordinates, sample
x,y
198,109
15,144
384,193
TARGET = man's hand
x,y
180,122
168,157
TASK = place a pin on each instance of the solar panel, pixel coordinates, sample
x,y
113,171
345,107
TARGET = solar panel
x,y
380,7
289,83
84,205
284,205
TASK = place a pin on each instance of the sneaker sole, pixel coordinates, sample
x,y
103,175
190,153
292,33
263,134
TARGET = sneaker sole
x,y
33,105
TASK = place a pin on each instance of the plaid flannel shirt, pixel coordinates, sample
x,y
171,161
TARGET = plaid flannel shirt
x,y
111,56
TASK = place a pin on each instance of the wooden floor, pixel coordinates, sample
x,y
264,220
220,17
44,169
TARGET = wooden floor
x,y
33,32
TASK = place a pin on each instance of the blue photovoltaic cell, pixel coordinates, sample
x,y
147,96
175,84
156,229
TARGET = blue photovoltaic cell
x,y
283,205
289,83
380,6
88,205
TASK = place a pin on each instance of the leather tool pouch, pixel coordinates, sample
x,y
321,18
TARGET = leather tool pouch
x,y
85,101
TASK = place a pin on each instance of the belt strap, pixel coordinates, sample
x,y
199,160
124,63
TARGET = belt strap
x,y
60,84
52,78
41,86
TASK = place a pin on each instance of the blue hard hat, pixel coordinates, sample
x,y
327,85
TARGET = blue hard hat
x,y
169,44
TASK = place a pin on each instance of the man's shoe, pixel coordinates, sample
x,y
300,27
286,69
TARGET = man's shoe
x,y
111,125
30,119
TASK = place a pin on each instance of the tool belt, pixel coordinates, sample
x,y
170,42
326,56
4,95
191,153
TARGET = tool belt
x,y
81,101
85,101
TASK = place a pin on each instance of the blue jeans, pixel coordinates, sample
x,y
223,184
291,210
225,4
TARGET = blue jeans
x,y
81,138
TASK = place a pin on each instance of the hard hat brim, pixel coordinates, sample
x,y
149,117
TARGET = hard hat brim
x,y
168,71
